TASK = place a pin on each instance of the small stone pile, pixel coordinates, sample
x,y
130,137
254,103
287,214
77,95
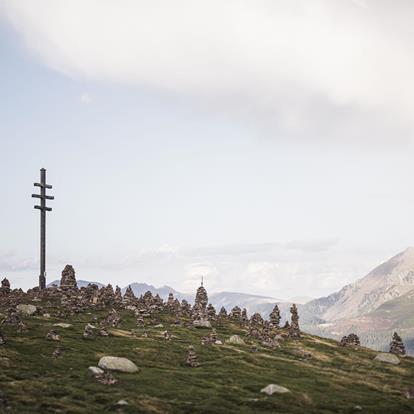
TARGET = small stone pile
x,y
211,339
222,313
53,335
12,317
274,317
211,312
118,295
88,332
112,320
244,317
68,279
294,331
397,345
192,357
350,340
256,320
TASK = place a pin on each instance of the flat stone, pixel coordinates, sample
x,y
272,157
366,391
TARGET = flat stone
x,y
160,325
202,323
236,340
121,403
26,309
63,325
117,364
95,371
389,358
274,389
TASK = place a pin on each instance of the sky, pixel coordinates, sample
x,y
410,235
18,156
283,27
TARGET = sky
x,y
267,145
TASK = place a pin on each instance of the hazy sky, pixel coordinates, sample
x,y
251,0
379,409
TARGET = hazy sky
x,y
265,144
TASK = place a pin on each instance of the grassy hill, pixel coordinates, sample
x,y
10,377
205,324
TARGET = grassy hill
x,y
331,379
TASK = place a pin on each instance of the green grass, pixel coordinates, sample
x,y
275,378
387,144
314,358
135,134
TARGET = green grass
x,y
229,379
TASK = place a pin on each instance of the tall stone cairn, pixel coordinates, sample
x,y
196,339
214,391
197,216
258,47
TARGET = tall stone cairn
x,y
211,312
294,331
68,279
397,345
5,286
129,296
235,314
244,317
118,294
256,320
200,304
274,317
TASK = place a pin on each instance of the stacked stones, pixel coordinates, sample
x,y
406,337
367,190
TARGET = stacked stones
x,y
396,345
68,279
211,312
199,311
244,317
235,314
222,313
185,308
118,295
107,296
192,357
294,331
129,296
350,340
274,317
5,287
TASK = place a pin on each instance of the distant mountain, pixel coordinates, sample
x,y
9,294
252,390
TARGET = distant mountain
x,y
81,283
140,288
390,280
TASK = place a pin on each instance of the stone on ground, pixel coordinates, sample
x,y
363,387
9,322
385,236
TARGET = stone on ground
x,y
117,364
236,340
95,371
274,389
389,358
63,325
26,309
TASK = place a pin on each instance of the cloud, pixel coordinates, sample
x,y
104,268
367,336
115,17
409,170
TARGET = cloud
x,y
321,69
85,98
11,262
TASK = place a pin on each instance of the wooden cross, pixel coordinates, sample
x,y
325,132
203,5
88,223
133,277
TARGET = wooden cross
x,y
43,197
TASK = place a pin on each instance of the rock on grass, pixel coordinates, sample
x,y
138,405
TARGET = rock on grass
x,y
274,389
117,364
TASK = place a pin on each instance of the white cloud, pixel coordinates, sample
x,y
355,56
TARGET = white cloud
x,y
321,67
85,98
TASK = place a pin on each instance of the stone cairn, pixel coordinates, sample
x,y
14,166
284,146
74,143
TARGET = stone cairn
x,y
274,317
5,287
397,345
129,296
199,311
235,314
192,357
118,295
294,331
68,279
350,340
222,313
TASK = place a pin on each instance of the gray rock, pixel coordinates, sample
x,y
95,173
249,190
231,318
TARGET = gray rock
x,y
117,364
26,309
236,340
95,371
63,325
274,389
389,358
202,323
121,403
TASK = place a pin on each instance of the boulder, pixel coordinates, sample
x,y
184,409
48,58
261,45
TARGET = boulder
x,y
236,340
202,323
95,371
274,389
389,358
26,309
117,364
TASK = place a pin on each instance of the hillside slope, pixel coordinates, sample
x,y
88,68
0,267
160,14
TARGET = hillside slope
x,y
322,376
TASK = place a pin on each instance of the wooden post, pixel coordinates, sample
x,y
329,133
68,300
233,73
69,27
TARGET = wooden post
x,y
43,197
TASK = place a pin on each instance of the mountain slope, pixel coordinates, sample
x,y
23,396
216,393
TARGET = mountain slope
x,y
390,280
